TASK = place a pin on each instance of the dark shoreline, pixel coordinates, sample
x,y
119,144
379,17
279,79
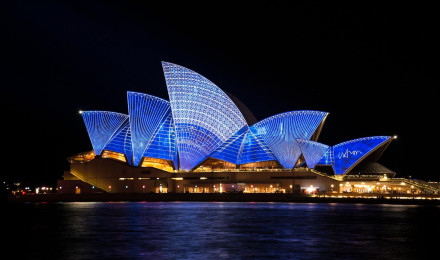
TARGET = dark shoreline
x,y
212,197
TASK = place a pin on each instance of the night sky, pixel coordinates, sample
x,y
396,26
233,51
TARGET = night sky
x,y
370,65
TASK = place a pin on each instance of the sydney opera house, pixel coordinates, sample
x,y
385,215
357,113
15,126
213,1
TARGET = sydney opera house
x,y
204,140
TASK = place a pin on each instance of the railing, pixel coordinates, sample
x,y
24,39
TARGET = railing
x,y
377,195
416,183
423,185
325,175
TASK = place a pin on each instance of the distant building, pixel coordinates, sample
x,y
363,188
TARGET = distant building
x,y
200,141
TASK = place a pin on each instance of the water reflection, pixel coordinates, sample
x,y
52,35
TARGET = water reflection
x,y
196,230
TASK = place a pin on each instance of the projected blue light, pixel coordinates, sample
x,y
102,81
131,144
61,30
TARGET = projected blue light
x,y
230,150
201,121
281,131
254,149
312,151
327,158
348,154
147,113
121,141
204,116
163,145
101,126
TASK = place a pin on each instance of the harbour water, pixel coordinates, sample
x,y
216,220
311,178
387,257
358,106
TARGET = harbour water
x,y
222,230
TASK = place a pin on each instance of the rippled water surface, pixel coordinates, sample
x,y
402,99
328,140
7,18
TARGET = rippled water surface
x,y
199,230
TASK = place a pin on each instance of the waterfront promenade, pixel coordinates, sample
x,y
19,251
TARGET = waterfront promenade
x,y
406,199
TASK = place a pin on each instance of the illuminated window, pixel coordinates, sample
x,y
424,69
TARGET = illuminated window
x,y
261,165
82,157
114,155
213,164
157,163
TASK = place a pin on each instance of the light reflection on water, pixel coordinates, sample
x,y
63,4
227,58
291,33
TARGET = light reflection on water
x,y
206,230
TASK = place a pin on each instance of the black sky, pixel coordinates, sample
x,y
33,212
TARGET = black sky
x,y
371,65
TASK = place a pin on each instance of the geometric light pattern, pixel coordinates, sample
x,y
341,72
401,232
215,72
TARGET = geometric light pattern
x,y
147,113
101,126
348,154
163,145
254,149
327,158
204,116
120,142
231,149
281,131
312,151
201,121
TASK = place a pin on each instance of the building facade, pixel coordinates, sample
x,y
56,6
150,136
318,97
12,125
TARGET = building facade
x,y
200,141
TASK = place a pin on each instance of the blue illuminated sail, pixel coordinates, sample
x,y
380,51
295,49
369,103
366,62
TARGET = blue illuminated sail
x,y
201,121
327,158
204,116
348,154
101,126
312,151
163,144
254,149
121,141
230,150
147,113
281,131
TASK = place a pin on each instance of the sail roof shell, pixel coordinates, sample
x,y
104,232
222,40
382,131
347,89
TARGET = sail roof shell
x,y
201,121
147,113
281,131
101,126
204,116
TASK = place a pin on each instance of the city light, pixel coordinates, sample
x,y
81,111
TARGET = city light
x,y
311,189
203,131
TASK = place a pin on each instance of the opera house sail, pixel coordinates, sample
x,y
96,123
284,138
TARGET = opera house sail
x,y
201,129
204,116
